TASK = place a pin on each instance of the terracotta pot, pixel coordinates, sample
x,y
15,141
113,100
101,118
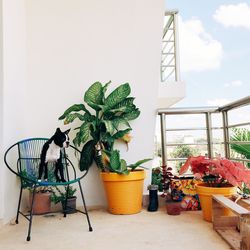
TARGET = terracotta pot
x,y
173,208
124,192
42,203
205,196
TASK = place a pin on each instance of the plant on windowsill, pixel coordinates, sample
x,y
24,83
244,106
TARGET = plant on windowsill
x,y
59,195
219,176
106,122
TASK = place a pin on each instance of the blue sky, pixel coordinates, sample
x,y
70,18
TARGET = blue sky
x,y
215,50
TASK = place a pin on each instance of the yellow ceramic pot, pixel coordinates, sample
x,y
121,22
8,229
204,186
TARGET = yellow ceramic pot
x,y
124,192
205,195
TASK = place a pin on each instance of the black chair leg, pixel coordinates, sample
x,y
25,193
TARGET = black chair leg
x,y
31,213
19,203
84,204
65,202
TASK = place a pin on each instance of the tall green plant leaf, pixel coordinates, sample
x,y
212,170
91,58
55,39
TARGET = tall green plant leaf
x,y
115,159
126,102
119,122
138,164
94,94
87,155
118,95
121,133
77,139
117,165
74,108
132,115
109,126
84,132
71,117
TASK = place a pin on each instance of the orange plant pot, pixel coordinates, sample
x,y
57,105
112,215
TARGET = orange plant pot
x,y
124,192
205,195
42,203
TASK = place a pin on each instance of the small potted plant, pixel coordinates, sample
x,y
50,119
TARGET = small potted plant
x,y
42,203
59,195
219,176
105,121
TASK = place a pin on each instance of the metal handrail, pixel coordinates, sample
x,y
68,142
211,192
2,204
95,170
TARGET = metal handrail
x,y
207,111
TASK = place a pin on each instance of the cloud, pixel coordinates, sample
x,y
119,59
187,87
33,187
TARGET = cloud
x,y
230,15
218,102
199,51
236,83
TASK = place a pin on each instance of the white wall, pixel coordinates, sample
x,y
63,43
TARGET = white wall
x,y
14,80
71,44
1,115
68,45
170,93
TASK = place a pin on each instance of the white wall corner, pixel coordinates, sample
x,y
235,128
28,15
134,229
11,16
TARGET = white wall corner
x,y
170,93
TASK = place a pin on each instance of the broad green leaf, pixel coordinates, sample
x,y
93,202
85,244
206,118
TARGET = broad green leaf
x,y
77,140
84,132
115,162
138,163
121,133
94,106
117,165
116,112
124,169
74,108
120,121
71,117
87,155
89,117
126,102
109,126
109,140
94,94
132,115
118,95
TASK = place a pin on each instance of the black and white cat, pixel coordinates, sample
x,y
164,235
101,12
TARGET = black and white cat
x,y
51,152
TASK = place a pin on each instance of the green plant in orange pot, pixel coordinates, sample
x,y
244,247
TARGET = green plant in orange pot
x,y
104,119
219,176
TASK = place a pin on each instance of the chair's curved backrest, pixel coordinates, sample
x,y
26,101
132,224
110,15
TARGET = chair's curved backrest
x,y
28,161
29,152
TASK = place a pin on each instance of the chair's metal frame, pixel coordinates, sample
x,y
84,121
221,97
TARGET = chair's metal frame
x,y
34,184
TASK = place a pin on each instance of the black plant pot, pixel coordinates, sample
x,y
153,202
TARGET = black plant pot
x,y
71,205
153,198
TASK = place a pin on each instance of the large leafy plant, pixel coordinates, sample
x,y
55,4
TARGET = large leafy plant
x,y
218,172
104,121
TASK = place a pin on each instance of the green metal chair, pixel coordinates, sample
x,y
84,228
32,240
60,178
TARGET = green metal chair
x,y
26,157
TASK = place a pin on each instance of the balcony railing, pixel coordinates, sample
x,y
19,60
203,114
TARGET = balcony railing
x,y
211,130
170,59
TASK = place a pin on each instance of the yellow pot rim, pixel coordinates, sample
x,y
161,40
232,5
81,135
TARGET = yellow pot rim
x,y
135,175
203,186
